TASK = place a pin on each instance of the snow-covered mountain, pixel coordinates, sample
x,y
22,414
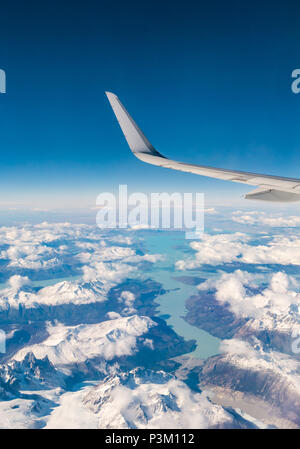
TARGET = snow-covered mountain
x,y
93,351
234,305
148,399
30,373
28,389
265,384
64,292
105,341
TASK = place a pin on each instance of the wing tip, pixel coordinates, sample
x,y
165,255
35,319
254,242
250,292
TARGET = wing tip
x,y
110,94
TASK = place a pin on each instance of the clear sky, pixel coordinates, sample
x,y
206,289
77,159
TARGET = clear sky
x,y
208,82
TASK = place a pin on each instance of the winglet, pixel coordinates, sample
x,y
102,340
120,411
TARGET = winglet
x,y
137,141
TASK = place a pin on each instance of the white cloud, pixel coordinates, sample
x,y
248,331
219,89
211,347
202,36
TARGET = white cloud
x,y
16,281
152,258
237,347
210,211
113,315
70,248
214,250
112,272
273,301
122,239
280,250
139,227
238,248
261,218
66,247
128,297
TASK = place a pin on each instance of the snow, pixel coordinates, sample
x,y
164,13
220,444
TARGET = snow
x,y
71,413
67,345
148,399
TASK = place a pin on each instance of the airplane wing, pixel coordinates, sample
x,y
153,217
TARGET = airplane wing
x,y
269,188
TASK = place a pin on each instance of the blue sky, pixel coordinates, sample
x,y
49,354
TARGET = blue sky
x,y
208,83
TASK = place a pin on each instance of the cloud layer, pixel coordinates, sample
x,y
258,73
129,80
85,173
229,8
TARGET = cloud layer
x,y
243,249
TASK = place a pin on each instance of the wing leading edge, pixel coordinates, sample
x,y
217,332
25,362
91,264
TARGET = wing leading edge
x,y
269,188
